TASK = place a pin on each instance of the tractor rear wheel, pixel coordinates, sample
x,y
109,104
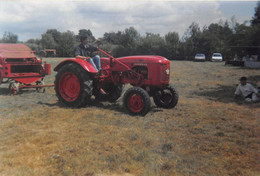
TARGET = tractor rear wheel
x,y
73,85
166,97
109,92
137,101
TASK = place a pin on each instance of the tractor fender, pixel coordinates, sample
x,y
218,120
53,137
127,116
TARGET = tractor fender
x,y
84,64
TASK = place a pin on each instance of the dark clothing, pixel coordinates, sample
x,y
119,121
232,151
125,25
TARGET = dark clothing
x,y
249,96
85,51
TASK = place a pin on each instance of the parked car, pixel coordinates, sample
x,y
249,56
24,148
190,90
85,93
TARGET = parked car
x,y
216,57
200,57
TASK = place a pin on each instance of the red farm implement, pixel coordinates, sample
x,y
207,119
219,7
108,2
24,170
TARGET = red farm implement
x,y
20,67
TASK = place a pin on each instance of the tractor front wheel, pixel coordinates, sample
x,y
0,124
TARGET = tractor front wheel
x,y
73,85
166,97
137,101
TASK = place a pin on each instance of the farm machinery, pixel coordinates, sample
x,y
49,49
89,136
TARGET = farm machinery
x,y
20,67
149,76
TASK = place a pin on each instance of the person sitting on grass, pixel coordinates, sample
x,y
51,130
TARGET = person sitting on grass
x,y
245,89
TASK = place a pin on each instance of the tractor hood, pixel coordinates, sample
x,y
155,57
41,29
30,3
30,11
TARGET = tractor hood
x,y
144,59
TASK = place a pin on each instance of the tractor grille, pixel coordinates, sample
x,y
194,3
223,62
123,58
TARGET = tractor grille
x,y
25,68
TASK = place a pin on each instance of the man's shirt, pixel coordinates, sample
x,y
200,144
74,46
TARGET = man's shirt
x,y
245,90
86,50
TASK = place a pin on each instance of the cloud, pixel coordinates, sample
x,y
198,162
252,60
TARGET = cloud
x,y
29,19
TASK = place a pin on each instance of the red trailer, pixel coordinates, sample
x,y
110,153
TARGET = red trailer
x,y
21,68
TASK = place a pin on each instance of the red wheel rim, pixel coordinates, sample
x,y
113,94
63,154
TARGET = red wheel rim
x,y
69,86
136,103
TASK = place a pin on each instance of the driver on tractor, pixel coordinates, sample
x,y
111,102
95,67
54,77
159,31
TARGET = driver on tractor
x,y
85,51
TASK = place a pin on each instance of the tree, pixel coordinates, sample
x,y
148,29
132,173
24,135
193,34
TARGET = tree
x,y
255,30
130,37
216,38
172,45
9,37
225,36
67,44
240,40
152,44
34,41
253,38
54,33
48,41
129,40
112,37
192,31
256,19
192,40
34,44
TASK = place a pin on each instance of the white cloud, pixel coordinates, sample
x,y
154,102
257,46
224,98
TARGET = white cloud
x,y
29,19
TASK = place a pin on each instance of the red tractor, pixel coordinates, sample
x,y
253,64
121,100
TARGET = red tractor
x,y
20,66
77,80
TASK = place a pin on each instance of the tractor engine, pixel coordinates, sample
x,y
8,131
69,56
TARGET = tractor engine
x,y
155,70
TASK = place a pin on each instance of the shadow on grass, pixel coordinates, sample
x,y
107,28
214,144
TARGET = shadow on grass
x,y
254,79
4,91
222,93
106,105
116,106
92,103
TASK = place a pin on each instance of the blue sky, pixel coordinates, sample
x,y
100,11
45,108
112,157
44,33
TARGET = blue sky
x,y
239,8
29,19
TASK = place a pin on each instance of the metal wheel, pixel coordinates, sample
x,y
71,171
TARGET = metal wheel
x,y
137,101
166,97
69,86
73,86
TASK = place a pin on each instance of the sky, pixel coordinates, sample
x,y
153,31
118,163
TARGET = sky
x,y
29,19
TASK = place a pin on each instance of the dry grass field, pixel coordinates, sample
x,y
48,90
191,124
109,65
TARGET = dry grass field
x,y
207,133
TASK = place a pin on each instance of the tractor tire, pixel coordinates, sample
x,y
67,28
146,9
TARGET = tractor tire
x,y
108,93
73,85
166,97
137,101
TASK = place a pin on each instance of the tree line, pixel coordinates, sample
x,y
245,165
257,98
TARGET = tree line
x,y
229,38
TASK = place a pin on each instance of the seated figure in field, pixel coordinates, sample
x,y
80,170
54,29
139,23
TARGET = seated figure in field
x,y
248,91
